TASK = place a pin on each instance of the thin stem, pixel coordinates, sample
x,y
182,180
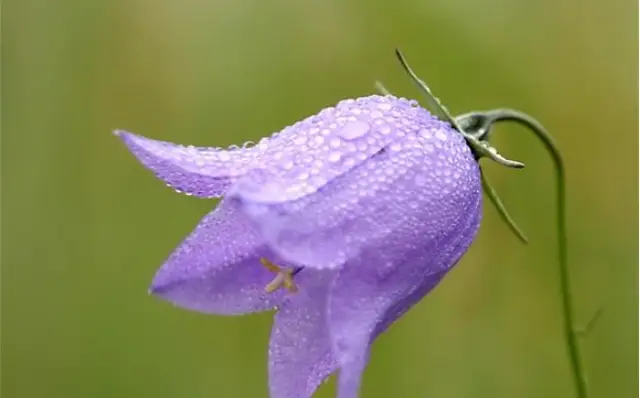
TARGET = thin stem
x,y
570,333
502,210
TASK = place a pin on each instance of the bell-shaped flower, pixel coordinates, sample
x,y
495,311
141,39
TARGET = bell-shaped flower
x,y
341,222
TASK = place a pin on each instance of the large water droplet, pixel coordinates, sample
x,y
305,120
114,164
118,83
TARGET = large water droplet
x,y
354,130
334,157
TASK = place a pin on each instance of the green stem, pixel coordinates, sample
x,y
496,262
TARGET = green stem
x,y
502,210
570,333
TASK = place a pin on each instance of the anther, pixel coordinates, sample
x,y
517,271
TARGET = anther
x,y
283,278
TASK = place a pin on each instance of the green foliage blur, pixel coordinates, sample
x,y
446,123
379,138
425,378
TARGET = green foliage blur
x,y
84,226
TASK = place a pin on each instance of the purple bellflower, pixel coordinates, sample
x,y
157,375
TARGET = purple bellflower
x,y
357,212
340,222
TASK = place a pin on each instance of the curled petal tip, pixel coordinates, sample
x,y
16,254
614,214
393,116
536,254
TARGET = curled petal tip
x,y
159,285
205,172
122,133
154,289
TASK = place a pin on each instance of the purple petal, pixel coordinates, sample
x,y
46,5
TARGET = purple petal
x,y
203,172
300,355
415,187
371,293
217,268
326,146
450,251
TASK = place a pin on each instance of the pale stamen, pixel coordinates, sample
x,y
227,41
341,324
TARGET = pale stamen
x,y
283,278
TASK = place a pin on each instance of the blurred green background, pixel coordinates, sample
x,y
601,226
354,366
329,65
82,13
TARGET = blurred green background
x,y
84,226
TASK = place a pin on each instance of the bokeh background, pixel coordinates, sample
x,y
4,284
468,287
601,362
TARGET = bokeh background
x,y
84,226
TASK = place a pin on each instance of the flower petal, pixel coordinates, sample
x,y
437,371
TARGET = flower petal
x,y
217,268
300,355
203,172
368,295
415,187
320,148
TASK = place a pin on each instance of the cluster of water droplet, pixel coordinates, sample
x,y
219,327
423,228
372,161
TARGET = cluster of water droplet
x,y
383,156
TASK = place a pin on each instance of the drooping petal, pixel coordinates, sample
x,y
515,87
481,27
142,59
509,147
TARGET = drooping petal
x,y
368,295
300,353
450,252
199,171
413,186
326,146
217,268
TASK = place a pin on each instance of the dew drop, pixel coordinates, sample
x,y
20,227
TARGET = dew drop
x,y
420,180
425,133
441,135
354,130
334,157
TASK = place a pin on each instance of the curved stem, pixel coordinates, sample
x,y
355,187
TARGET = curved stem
x,y
570,333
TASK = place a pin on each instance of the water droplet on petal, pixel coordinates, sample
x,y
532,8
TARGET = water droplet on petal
x,y
354,130
334,157
349,162
441,135
420,180
385,130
